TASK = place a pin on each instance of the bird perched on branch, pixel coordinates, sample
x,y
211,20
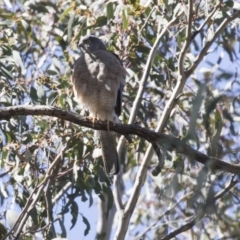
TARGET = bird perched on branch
x,y
98,80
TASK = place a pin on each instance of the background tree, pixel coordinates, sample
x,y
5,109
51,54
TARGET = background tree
x,y
180,174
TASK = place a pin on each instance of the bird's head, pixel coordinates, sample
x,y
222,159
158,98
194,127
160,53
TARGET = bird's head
x,y
90,43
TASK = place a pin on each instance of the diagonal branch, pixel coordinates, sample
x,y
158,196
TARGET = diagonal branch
x,y
168,211
201,55
132,117
148,66
201,214
206,20
32,200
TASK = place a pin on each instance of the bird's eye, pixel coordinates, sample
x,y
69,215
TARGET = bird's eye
x,y
88,41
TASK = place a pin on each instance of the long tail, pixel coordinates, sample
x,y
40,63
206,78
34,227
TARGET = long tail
x,y
109,152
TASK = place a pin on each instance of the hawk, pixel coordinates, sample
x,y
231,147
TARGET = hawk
x,y
98,79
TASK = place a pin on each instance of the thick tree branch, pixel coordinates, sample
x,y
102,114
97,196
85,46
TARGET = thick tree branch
x,y
122,227
168,141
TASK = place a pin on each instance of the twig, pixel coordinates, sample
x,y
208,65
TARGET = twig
x,y
63,190
26,211
201,55
153,9
185,227
225,190
206,20
162,215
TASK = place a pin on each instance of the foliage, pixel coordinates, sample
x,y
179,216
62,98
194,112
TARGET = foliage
x,y
38,48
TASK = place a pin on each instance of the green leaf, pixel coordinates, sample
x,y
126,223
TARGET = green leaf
x,y
86,231
63,84
52,98
51,72
97,187
62,226
143,48
27,138
211,105
125,20
229,3
5,72
101,21
90,197
74,213
109,193
62,100
110,12
70,23
195,111
40,91
18,60
39,7
3,231
65,13
84,198
24,24
33,95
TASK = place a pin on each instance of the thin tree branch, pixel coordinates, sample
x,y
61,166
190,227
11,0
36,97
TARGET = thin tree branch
x,y
201,55
145,76
201,214
153,9
206,20
26,211
32,200
188,39
162,215
63,190
227,188
117,179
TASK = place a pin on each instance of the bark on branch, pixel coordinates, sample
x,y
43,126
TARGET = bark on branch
x,y
168,141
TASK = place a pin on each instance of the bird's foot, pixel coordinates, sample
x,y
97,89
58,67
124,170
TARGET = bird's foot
x,y
93,120
108,124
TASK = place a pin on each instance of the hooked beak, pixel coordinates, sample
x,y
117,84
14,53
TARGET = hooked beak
x,y
81,45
